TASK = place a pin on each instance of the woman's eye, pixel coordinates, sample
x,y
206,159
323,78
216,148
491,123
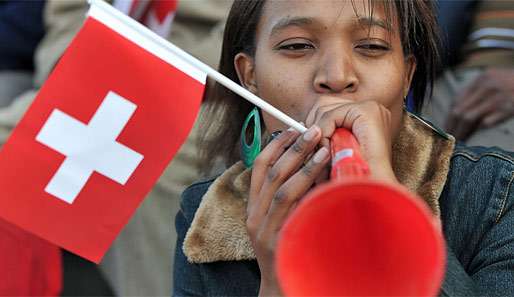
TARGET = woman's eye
x,y
296,46
372,49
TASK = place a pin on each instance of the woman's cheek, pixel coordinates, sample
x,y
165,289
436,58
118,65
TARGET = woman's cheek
x,y
387,91
288,95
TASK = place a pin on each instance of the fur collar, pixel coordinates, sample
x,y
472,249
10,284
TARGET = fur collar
x,y
421,161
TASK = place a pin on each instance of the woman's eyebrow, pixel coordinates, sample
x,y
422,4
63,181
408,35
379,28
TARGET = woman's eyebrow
x,y
291,21
366,22
371,22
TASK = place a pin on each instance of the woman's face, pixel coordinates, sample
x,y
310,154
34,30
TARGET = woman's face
x,y
311,53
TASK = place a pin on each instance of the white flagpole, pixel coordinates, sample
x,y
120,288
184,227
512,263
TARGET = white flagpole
x,y
110,16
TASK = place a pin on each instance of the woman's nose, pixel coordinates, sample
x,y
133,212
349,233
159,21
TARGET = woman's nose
x,y
336,74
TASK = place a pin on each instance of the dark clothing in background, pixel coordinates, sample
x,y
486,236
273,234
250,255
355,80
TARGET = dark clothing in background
x,y
454,18
21,29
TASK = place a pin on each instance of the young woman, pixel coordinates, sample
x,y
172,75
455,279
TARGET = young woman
x,y
333,64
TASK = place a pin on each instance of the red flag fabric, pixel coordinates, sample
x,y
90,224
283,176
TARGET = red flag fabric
x,y
157,15
101,131
30,266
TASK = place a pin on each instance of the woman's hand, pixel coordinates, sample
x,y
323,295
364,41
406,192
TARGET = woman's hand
x,y
280,178
370,123
281,175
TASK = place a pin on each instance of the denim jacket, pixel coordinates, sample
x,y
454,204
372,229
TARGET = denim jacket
x,y
471,189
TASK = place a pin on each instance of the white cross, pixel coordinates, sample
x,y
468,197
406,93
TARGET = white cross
x,y
91,147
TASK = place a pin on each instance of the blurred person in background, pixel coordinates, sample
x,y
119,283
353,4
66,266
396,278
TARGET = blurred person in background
x,y
474,96
137,264
21,29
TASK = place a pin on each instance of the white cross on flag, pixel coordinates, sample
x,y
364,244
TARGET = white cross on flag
x,y
103,128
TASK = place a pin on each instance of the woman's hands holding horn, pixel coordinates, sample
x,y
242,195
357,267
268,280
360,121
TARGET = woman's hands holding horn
x,y
279,180
289,165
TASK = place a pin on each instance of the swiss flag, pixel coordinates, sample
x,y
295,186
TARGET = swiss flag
x,y
103,128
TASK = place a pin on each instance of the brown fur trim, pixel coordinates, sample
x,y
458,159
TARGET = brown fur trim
x,y
421,161
218,231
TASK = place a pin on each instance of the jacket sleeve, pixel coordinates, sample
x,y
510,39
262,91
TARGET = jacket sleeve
x,y
457,282
493,266
487,267
187,277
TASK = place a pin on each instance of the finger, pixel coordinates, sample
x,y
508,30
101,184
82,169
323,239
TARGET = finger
x,y
473,93
288,195
494,119
267,158
287,165
325,109
460,119
504,109
317,113
345,116
317,110
370,123
471,120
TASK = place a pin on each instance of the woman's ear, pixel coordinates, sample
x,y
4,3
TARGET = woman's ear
x,y
409,74
244,65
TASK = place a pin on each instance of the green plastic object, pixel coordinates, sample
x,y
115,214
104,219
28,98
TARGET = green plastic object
x,y
249,152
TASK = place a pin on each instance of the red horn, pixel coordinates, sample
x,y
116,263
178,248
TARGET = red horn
x,y
357,237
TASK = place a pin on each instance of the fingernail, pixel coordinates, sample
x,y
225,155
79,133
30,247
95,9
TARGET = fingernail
x,y
291,129
320,155
275,134
311,133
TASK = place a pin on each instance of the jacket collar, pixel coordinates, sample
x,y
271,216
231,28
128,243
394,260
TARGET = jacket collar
x,y
421,161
